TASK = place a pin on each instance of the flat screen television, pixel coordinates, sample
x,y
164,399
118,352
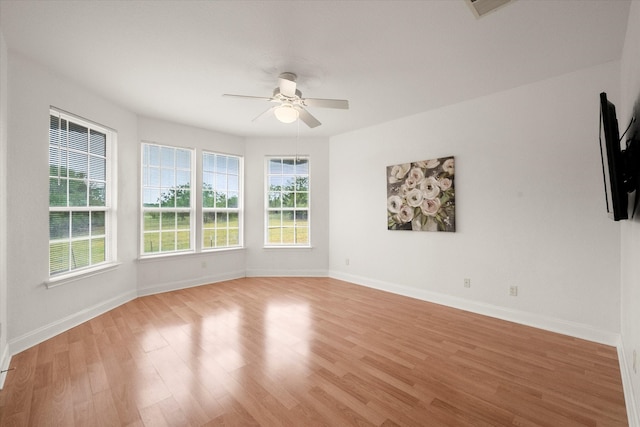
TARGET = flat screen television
x,y
612,162
619,167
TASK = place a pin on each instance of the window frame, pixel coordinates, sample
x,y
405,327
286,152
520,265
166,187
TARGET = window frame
x,y
191,210
226,210
110,197
295,209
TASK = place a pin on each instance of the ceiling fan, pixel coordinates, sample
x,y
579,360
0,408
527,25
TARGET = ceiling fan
x,y
290,103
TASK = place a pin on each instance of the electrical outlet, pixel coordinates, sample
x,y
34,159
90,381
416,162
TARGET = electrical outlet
x,y
204,264
513,291
467,283
635,366
346,261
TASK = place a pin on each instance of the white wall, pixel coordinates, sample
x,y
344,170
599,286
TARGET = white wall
x,y
630,95
35,312
280,261
174,272
4,354
529,207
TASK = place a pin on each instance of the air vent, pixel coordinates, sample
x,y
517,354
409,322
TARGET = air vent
x,y
482,7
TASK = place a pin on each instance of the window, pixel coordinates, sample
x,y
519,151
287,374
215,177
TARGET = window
x,y
167,205
81,234
220,201
287,202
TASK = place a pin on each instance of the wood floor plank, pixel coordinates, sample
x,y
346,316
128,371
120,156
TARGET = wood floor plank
x,y
313,352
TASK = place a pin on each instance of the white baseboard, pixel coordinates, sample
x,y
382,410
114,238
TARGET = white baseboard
x,y
627,385
285,273
574,329
5,361
183,284
45,332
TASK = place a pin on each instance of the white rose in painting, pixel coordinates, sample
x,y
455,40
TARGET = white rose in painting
x,y
445,183
416,174
430,207
447,166
430,188
398,172
406,214
433,163
410,182
414,198
394,203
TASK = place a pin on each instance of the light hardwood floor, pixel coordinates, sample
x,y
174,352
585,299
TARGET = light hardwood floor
x,y
308,352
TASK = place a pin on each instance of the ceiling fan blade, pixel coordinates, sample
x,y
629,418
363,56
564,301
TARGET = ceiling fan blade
x,y
266,113
287,84
342,104
264,98
307,118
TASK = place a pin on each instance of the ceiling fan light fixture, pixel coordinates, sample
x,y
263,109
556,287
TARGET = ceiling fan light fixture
x,y
286,113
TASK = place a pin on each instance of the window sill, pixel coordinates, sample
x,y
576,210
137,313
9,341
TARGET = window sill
x,y
79,275
206,252
279,247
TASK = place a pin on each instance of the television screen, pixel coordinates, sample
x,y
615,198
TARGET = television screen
x,y
612,161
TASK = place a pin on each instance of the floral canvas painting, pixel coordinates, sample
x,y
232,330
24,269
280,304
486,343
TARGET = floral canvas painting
x,y
421,196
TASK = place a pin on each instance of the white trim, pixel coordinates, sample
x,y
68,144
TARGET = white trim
x,y
263,272
565,327
5,361
183,284
45,332
80,274
627,386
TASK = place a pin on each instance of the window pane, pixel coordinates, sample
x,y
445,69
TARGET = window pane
x,y
78,137
98,254
168,220
234,237
58,225
288,166
154,155
97,168
77,193
208,238
151,198
168,198
233,166
233,183
78,165
301,200
58,192
302,167
98,143
208,199
151,221
209,219
167,157
288,200
97,194
151,242
184,241
302,183
168,177
234,220
221,200
221,164
221,237
221,220
168,243
184,220
232,200
275,218
98,223
275,166
275,200
80,224
275,183
183,178
183,198
183,159
221,182
154,177
80,254
58,257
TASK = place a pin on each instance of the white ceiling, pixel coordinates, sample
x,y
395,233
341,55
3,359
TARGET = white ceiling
x,y
173,60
